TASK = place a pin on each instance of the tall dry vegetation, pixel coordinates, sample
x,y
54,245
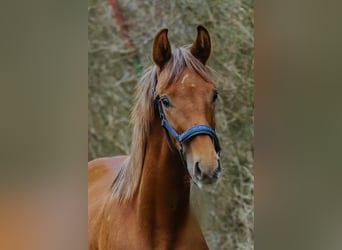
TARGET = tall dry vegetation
x,y
226,209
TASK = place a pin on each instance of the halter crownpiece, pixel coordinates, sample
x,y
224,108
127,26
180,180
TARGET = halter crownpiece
x,y
187,135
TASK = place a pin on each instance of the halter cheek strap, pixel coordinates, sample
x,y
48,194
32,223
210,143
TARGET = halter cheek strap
x,y
187,135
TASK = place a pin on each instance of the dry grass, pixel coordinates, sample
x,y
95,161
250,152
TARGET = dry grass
x,y
226,209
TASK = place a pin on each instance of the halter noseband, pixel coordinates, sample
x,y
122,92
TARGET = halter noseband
x,y
187,135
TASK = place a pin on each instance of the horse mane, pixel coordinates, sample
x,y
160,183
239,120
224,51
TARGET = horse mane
x,y
142,115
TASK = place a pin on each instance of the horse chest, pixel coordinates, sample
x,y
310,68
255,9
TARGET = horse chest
x,y
128,235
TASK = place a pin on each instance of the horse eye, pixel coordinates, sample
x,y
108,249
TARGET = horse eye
x,y
165,101
214,96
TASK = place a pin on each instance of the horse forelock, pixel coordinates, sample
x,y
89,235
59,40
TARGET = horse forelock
x,y
182,58
143,113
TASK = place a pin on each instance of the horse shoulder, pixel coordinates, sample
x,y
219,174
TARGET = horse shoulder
x,y
101,174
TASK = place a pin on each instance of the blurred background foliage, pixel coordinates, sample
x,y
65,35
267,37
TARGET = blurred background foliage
x,y
225,210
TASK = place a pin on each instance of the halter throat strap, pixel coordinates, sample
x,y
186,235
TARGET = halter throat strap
x,y
187,135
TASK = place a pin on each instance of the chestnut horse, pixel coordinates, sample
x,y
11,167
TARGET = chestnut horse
x,y
141,201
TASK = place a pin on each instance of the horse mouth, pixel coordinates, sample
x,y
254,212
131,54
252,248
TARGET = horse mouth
x,y
206,181
199,181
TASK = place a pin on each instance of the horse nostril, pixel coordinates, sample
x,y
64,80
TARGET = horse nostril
x,y
198,171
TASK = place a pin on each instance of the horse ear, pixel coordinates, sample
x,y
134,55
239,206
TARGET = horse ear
x,y
202,46
161,51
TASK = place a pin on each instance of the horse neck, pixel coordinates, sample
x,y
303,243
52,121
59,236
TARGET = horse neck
x,y
164,189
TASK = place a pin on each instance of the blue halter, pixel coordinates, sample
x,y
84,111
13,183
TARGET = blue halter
x,y
187,135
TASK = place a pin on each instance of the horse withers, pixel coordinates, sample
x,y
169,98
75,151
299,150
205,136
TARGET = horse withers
x,y
141,201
